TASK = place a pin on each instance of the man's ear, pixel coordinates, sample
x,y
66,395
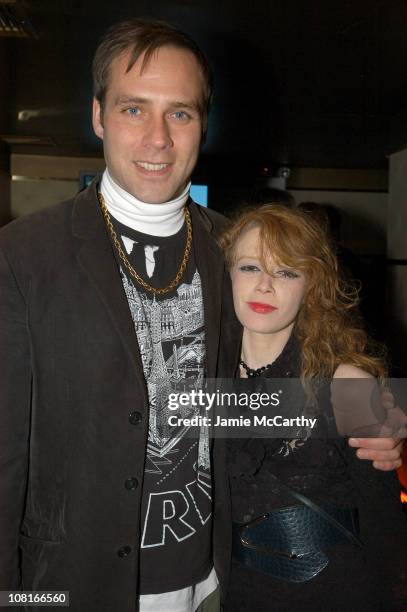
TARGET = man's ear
x,y
97,120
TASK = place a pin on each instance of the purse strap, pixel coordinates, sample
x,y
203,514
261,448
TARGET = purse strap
x,y
330,519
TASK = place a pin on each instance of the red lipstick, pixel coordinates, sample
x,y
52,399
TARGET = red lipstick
x,y
260,307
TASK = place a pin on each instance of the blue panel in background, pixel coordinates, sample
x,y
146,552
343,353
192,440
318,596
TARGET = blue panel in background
x,y
85,179
199,193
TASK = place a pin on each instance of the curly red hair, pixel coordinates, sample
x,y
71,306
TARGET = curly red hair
x,y
328,327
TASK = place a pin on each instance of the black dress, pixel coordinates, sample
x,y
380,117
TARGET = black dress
x,y
372,578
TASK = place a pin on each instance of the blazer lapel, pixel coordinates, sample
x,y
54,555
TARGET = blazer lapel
x,y
211,267
95,256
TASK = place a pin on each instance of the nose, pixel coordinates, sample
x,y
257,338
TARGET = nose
x,y
157,134
265,283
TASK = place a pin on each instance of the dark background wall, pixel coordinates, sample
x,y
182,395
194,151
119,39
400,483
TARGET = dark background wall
x,y
308,84
4,124
318,83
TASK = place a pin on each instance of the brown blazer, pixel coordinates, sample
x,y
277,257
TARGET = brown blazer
x,y
71,380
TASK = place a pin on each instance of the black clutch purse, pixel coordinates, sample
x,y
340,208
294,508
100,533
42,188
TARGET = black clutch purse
x,y
292,543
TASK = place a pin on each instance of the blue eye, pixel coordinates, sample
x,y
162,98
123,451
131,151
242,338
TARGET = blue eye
x,y
287,274
133,111
249,268
180,115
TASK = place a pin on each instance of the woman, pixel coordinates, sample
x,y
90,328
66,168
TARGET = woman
x,y
295,502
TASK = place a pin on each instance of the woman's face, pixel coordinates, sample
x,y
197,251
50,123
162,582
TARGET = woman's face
x,y
264,303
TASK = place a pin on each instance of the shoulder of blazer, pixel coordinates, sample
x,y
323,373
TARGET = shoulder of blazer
x,y
37,223
33,237
46,234
214,222
80,214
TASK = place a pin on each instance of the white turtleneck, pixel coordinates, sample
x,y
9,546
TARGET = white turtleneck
x,y
164,219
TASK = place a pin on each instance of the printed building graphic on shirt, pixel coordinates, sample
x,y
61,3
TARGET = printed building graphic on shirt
x,y
158,324
170,333
177,488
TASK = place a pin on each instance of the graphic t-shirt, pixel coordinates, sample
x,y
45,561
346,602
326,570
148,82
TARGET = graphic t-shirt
x,y
175,547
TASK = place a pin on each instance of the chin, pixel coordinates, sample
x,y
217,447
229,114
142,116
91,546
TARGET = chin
x,y
149,198
258,329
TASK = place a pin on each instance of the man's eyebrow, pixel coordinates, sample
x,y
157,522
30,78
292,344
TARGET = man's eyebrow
x,y
187,104
130,100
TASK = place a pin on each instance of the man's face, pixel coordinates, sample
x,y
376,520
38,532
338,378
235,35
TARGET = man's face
x,y
151,125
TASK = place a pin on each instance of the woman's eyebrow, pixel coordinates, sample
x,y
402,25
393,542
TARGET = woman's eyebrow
x,y
247,257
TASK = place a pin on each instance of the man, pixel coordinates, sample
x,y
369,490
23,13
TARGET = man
x,y
109,302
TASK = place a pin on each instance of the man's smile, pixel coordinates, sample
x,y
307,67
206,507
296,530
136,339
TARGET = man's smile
x,y
156,168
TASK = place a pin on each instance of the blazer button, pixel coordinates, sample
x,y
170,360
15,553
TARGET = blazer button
x,y
124,551
131,483
135,418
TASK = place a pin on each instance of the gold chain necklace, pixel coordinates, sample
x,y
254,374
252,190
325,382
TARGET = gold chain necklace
x,y
128,265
